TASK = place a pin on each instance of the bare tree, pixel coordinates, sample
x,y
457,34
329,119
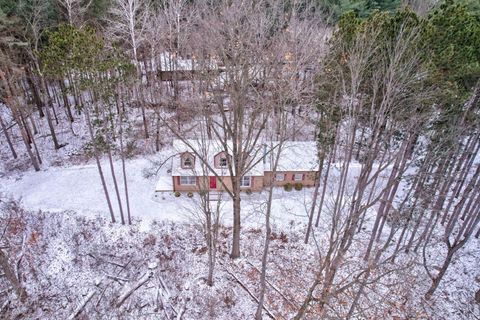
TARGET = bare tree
x,y
7,137
74,10
12,101
207,210
362,63
238,63
35,15
127,22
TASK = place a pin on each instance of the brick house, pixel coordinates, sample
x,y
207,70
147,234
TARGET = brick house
x,y
298,164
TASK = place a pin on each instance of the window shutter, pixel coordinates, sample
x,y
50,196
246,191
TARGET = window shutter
x,y
178,180
293,177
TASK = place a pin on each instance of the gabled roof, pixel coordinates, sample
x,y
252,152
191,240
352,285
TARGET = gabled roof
x,y
295,156
207,149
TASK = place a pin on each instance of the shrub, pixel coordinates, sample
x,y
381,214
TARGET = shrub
x,y
177,194
131,149
287,187
190,194
248,191
150,240
298,186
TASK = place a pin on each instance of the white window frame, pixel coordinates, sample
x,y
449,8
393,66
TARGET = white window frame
x,y
188,165
221,164
296,175
280,177
188,180
244,179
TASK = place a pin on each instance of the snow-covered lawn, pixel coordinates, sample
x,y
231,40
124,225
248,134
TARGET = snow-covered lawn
x,y
78,189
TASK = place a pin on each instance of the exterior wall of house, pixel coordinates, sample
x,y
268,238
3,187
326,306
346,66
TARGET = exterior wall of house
x,y
204,183
256,183
184,188
307,181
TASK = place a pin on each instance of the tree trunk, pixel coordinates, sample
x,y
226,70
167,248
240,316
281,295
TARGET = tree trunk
x,y
399,171
324,189
76,95
7,136
268,231
472,186
124,171
115,184
34,143
157,132
66,103
49,117
303,309
436,280
97,160
236,219
210,244
17,118
314,200
34,90
471,159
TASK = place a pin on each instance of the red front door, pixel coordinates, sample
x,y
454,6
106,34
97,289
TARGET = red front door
x,y
213,182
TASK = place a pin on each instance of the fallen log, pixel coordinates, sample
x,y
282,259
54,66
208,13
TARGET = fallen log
x,y
82,305
110,276
250,293
128,290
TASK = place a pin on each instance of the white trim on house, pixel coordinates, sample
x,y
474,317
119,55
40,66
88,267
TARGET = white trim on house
x,y
298,177
188,180
243,181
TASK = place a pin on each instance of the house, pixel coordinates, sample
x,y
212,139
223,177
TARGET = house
x,y
298,163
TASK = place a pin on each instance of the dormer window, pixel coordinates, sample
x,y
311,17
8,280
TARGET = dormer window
x,y
187,163
220,160
223,162
187,160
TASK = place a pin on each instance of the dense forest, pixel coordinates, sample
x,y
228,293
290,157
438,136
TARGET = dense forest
x,y
388,90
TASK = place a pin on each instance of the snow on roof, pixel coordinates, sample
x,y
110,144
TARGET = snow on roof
x,y
164,183
168,61
207,149
295,156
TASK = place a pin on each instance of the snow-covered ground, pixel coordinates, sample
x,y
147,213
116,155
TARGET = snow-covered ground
x,y
78,188
72,200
